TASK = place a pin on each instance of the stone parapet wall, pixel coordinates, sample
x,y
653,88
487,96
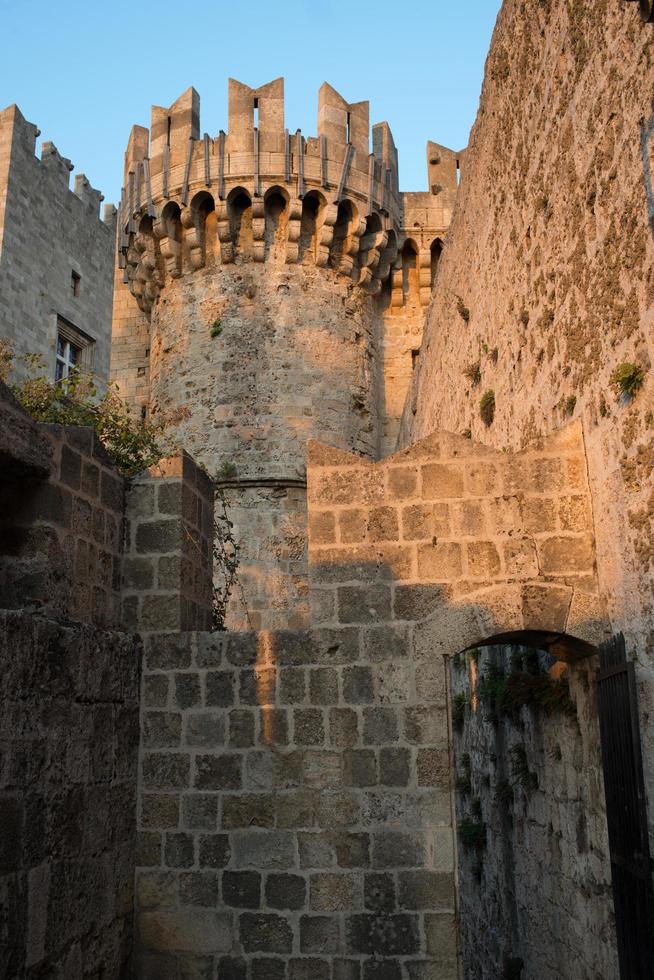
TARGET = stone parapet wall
x,y
294,815
68,759
61,536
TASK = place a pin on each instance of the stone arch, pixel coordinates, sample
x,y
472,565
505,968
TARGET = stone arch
x,y
276,210
313,207
436,251
346,221
202,234
168,229
239,211
410,272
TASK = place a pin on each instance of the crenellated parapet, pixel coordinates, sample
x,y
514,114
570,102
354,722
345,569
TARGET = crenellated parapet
x,y
259,192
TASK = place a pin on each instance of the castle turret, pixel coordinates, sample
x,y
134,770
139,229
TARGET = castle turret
x,y
261,263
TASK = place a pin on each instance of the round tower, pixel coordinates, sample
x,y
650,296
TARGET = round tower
x,y
259,259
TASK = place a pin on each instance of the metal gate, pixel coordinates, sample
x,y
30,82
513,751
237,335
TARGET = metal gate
x,y
626,811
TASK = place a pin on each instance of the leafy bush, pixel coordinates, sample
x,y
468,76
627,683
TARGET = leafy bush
x,y
473,373
216,329
459,705
133,443
487,407
462,310
628,379
472,833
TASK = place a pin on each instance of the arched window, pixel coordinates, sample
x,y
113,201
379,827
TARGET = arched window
x,y
276,214
239,209
342,228
312,205
436,251
410,274
203,211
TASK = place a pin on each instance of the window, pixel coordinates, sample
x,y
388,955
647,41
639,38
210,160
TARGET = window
x,y
415,358
74,350
68,358
75,280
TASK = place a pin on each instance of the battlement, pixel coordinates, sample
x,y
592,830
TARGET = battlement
x,y
333,199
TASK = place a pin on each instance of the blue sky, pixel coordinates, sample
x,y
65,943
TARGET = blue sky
x,y
86,72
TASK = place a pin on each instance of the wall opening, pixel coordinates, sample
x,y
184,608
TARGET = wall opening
x,y
410,274
239,208
532,835
276,215
436,252
203,209
342,228
311,208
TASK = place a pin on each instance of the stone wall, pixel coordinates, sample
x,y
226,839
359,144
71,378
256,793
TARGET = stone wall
x,y
294,816
536,890
546,278
68,759
47,233
62,525
167,560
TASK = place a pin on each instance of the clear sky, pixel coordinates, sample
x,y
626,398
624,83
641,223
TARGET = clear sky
x,y
85,72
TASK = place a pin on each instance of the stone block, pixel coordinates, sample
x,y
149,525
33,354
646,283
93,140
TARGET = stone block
x,y
211,648
383,524
148,849
483,559
241,728
380,726
295,809
222,771
309,969
440,562
389,935
248,810
565,555
352,849
267,968
323,769
264,849
161,729
193,930
179,850
337,809
204,729
441,936
241,889
156,889
285,892
292,685
322,527
169,651
388,970
358,685
265,933
159,810
343,727
155,690
346,970
323,686
520,559
214,850
402,482
419,890
220,688
166,770
414,602
308,726
257,687
199,888
397,849
159,537
316,850
335,892
425,723
379,893
360,767
433,767
273,726
441,481
319,934
394,766
187,690
232,968
364,604
200,811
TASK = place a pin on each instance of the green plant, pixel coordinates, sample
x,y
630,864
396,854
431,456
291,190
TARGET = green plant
x,y
487,407
473,373
462,310
459,705
494,355
227,558
628,379
216,329
520,769
467,433
524,317
570,404
227,471
133,443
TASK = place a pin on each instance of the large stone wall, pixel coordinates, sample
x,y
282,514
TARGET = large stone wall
x,y
536,889
68,759
546,277
47,232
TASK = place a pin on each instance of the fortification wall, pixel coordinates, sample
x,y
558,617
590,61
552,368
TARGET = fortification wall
x,y
47,234
546,280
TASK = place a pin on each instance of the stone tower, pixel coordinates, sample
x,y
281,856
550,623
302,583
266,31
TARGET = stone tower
x,y
278,286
